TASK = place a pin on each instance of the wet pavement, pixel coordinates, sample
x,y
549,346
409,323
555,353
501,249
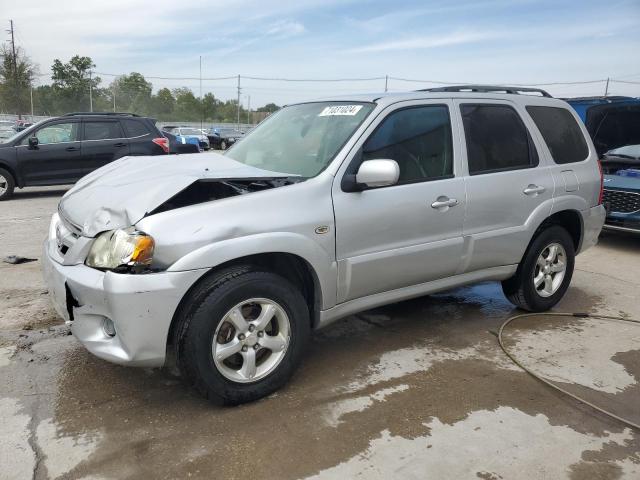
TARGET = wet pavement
x,y
419,389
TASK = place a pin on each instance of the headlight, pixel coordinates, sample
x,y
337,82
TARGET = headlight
x,y
121,249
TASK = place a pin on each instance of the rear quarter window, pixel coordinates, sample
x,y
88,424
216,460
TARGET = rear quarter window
x,y
135,128
561,133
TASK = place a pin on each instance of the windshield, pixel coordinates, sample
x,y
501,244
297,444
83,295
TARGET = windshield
x,y
628,150
301,139
190,131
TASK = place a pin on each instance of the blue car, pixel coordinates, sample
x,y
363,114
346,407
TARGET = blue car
x,y
614,126
622,189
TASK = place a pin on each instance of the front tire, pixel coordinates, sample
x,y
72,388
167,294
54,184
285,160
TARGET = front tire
x,y
223,145
545,272
7,184
242,335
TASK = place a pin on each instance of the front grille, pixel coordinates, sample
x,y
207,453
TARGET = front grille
x,y
622,202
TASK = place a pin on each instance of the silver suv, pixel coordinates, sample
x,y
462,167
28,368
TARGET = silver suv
x,y
327,208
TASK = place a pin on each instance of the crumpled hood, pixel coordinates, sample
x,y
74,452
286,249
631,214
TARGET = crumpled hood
x,y
123,192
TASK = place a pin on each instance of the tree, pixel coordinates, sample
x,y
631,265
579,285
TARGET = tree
x,y
71,83
163,104
210,106
269,108
132,92
187,105
16,79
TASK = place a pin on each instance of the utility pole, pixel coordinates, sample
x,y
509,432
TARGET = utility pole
x,y
606,88
15,63
13,49
31,93
201,102
249,109
90,91
113,93
386,83
238,123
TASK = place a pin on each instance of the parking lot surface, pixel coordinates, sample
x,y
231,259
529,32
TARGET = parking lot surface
x,y
419,389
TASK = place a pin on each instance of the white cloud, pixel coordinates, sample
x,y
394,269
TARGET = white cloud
x,y
423,43
286,28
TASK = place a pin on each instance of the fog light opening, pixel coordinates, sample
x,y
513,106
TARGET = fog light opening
x,y
109,328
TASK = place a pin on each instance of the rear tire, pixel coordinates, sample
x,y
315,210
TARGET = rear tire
x,y
545,272
223,320
223,145
7,184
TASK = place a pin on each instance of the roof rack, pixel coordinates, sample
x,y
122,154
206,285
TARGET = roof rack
x,y
117,114
486,89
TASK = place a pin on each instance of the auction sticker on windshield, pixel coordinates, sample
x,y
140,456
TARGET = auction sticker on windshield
x,y
340,110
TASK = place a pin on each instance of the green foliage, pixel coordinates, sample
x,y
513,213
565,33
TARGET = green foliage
x,y
269,108
16,79
71,82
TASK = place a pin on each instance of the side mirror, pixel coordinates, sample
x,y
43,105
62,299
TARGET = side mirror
x,y
378,173
33,142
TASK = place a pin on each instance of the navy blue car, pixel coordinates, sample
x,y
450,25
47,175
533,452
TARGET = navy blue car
x,y
614,126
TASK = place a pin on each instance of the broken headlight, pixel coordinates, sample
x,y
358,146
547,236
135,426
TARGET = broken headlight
x,y
121,250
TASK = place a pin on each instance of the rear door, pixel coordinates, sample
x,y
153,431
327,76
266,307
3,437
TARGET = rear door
x,y
507,182
103,141
140,136
56,159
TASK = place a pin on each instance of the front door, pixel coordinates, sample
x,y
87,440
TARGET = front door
x,y
409,233
56,159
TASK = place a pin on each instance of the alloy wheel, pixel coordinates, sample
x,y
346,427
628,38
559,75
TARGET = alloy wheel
x,y
550,270
251,340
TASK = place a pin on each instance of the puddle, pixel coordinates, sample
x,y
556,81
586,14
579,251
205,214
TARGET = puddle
x,y
501,443
582,353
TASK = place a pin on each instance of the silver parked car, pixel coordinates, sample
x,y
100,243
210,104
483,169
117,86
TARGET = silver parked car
x,y
327,208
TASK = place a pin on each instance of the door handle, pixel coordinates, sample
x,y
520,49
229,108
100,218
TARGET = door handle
x,y
120,145
444,202
72,149
533,190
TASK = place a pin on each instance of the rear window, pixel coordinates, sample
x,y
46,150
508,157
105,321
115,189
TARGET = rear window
x,y
561,133
497,139
102,130
135,128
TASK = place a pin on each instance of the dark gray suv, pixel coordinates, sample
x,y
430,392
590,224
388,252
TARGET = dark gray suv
x,y
61,150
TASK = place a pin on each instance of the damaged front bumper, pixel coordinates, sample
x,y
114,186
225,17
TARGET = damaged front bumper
x,y
141,307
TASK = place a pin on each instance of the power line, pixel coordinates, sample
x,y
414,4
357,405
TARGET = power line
x,y
625,81
359,79
169,78
314,79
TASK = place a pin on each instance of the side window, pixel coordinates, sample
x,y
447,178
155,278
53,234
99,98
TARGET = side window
x,y
561,133
56,133
496,138
419,139
102,130
135,128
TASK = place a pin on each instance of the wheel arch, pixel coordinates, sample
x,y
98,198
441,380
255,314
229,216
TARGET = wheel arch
x,y
293,267
12,171
571,220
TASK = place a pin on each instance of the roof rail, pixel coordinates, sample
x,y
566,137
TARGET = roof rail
x,y
117,114
486,89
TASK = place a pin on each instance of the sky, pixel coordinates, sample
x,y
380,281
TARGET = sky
x,y
493,41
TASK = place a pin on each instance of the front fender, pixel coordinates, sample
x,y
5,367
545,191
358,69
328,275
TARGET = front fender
x,y
217,253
